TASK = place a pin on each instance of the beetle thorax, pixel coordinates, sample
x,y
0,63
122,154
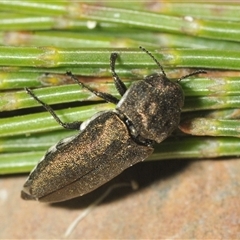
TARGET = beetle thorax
x,y
153,106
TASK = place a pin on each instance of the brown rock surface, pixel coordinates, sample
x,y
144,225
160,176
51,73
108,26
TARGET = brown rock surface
x,y
175,200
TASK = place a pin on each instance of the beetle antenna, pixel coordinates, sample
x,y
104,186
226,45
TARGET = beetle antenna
x,y
191,74
154,59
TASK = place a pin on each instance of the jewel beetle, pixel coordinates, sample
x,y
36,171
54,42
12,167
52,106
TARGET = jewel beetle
x,y
110,141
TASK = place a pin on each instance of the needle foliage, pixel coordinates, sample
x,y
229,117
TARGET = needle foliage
x,y
40,41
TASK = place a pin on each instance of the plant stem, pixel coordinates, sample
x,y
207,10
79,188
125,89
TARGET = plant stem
x,y
211,127
172,148
42,122
59,57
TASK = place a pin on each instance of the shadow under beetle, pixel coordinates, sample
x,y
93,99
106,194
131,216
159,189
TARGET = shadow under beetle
x,y
110,141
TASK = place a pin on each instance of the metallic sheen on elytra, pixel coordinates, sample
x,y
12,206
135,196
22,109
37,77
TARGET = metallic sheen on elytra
x,y
102,151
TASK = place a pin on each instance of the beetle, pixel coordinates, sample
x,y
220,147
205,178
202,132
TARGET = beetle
x,y
110,141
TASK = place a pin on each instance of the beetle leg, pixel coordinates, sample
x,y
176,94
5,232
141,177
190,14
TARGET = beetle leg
x,y
71,125
120,86
106,96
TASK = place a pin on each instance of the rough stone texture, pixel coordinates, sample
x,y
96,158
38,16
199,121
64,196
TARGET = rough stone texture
x,y
175,200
